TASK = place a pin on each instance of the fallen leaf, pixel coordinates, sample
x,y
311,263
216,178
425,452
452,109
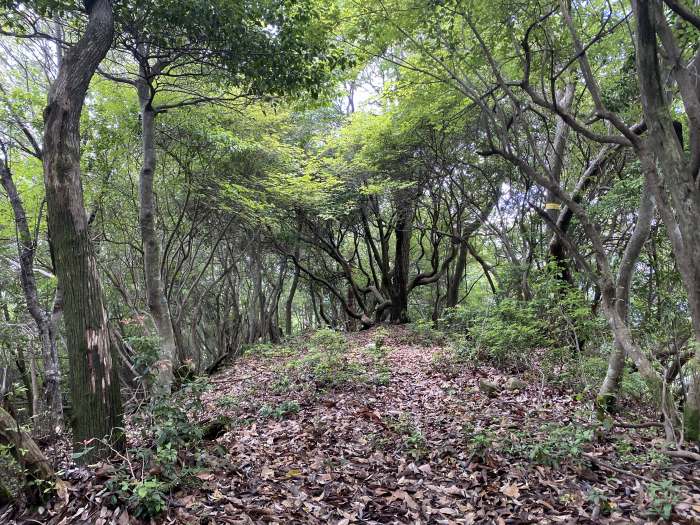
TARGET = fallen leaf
x,y
511,490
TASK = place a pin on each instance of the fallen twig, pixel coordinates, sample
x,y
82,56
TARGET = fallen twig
x,y
684,454
607,466
649,424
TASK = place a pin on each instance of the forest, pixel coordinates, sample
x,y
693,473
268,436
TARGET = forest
x,y
349,261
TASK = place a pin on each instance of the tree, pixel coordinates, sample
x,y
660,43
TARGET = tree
x,y
94,361
182,61
45,321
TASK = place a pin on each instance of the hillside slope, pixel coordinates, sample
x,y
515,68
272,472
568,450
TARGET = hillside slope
x,y
432,445
383,430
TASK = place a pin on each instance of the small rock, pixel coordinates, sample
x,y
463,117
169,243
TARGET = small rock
x,y
488,388
515,384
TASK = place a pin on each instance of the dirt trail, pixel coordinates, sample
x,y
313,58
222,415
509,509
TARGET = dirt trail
x,y
427,447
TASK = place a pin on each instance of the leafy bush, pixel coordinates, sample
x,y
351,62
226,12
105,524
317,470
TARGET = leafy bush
x,y
424,333
479,440
227,401
280,411
146,350
379,339
167,458
168,420
326,363
328,341
508,332
556,444
663,496
282,385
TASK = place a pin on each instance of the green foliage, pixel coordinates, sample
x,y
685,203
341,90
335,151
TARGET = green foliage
x,y
280,411
423,332
412,437
550,328
283,384
328,341
298,55
228,401
663,496
146,349
145,498
599,499
555,445
168,421
629,454
168,455
14,475
478,439
326,362
379,339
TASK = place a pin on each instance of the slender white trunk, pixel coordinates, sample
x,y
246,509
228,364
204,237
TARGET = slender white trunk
x,y
157,302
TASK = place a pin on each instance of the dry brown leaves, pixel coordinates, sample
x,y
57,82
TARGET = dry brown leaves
x,y
399,453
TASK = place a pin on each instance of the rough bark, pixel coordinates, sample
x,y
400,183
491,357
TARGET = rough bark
x,y
556,249
45,324
675,185
94,380
157,301
398,311
603,275
455,279
256,303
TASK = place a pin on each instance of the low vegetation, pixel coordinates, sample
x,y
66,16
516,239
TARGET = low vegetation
x,y
331,261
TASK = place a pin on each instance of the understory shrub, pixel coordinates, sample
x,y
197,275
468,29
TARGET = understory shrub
x,y
280,411
424,333
555,328
663,496
146,350
327,363
168,454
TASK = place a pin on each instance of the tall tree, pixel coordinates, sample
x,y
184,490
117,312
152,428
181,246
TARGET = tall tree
x,y
185,53
45,320
93,358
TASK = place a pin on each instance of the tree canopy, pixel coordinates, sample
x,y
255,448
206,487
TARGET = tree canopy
x,y
185,183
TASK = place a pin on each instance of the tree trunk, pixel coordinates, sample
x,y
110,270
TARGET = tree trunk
x,y
157,302
27,454
556,162
675,184
93,358
44,320
616,362
256,304
398,311
315,318
290,299
455,280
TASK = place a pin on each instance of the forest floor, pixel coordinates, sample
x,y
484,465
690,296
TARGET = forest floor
x,y
421,442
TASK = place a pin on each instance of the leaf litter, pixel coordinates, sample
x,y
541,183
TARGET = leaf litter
x,y
424,446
